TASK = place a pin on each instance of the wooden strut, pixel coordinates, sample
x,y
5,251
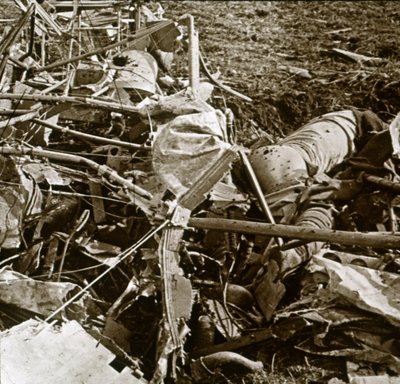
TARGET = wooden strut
x,y
235,343
384,183
85,101
138,35
370,239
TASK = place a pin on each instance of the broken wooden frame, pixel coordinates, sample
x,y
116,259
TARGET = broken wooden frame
x,y
102,170
177,289
88,136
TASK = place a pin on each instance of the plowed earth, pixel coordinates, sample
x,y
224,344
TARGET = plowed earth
x,y
255,45
253,42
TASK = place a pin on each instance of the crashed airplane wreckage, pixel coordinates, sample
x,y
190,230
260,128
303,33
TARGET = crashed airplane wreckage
x,y
140,243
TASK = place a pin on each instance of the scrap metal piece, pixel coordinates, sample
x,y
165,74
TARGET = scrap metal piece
x,y
201,187
177,301
138,76
99,214
20,197
180,217
35,352
365,288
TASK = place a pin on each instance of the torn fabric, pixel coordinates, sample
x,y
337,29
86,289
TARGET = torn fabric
x,y
19,198
368,289
41,297
185,148
35,352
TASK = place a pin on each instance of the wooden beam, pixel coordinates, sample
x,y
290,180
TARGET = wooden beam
x,y
366,239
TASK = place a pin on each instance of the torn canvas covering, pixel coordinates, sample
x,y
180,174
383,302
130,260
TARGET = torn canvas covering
x,y
41,297
352,310
20,197
367,289
185,146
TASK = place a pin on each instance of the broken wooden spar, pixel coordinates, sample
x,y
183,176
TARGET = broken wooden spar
x,y
370,239
87,101
102,170
88,136
382,182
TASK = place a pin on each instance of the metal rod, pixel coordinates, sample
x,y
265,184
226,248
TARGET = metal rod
x,y
124,255
86,101
90,137
384,183
194,67
258,192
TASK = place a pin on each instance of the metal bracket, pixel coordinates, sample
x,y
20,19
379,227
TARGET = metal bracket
x,y
180,217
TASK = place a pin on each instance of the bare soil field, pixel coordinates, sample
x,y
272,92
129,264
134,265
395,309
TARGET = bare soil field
x,y
292,58
256,45
281,54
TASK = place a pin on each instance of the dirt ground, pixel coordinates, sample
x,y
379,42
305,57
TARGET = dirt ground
x,y
257,46
252,44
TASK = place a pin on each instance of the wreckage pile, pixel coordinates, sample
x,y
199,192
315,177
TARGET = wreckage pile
x,y
140,242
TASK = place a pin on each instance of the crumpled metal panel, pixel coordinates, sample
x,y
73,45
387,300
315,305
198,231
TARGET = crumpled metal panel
x,y
140,73
19,198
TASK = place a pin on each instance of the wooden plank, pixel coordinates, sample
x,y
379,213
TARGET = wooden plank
x,y
370,239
